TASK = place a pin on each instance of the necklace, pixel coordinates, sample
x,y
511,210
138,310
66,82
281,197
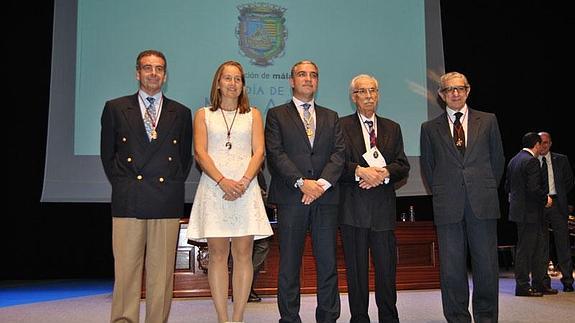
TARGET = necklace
x,y
229,128
153,120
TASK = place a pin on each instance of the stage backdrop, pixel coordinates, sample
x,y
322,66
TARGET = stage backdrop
x,y
95,44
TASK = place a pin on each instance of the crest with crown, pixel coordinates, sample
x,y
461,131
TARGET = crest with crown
x,y
261,32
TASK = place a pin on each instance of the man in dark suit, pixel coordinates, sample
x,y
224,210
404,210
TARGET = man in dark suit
x,y
305,151
527,198
146,151
560,180
374,162
462,162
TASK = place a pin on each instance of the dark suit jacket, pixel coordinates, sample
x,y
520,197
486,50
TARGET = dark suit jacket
x,y
451,176
290,155
147,177
373,208
564,182
524,186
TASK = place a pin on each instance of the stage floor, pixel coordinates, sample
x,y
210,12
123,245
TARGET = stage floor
x,y
89,301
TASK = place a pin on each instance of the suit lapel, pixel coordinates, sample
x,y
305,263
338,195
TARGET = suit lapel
x,y
293,114
357,140
320,120
135,120
557,172
442,127
381,139
473,127
167,119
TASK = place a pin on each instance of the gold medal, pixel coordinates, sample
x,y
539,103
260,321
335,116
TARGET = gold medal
x,y
309,132
154,134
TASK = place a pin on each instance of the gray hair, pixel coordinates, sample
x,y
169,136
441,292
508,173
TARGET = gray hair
x,y
361,76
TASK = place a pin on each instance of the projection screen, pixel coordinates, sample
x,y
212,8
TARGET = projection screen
x,y
95,44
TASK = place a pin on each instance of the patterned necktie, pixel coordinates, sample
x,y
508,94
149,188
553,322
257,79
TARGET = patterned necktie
x,y
458,133
150,118
544,175
371,131
308,122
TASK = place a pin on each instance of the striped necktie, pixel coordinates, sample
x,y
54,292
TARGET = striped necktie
x,y
371,130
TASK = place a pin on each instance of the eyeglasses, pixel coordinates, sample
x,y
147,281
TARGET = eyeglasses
x,y
452,89
160,69
364,92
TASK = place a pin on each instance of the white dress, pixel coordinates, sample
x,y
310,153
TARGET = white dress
x,y
211,215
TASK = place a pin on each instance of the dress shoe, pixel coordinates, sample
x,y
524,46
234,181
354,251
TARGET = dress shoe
x,y
254,298
568,288
548,291
528,292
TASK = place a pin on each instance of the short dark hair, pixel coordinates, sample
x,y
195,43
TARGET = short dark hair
x,y
530,139
303,62
151,52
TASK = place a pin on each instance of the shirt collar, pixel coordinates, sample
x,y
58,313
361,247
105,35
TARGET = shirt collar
x,y
451,112
547,156
529,151
298,103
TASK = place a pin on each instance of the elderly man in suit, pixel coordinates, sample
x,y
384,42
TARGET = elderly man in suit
x,y
374,162
305,151
560,181
527,193
146,151
462,162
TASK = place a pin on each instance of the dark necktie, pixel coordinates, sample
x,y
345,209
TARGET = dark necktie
x,y
371,131
544,175
458,133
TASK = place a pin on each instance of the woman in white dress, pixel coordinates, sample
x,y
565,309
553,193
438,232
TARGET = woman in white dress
x,y
228,206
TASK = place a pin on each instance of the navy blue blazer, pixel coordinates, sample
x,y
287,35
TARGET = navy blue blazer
x,y
524,187
147,177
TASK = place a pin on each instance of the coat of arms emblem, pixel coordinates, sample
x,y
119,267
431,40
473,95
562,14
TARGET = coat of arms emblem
x,y
261,32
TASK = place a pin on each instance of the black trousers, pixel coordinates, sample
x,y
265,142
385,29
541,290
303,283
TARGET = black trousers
x,y
529,258
357,244
559,224
293,223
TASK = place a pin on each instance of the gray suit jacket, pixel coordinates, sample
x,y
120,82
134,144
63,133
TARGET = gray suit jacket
x,y
147,177
452,177
291,156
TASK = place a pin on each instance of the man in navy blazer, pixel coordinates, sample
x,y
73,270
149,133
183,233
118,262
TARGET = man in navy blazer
x,y
527,195
146,151
560,182
367,214
305,154
462,162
